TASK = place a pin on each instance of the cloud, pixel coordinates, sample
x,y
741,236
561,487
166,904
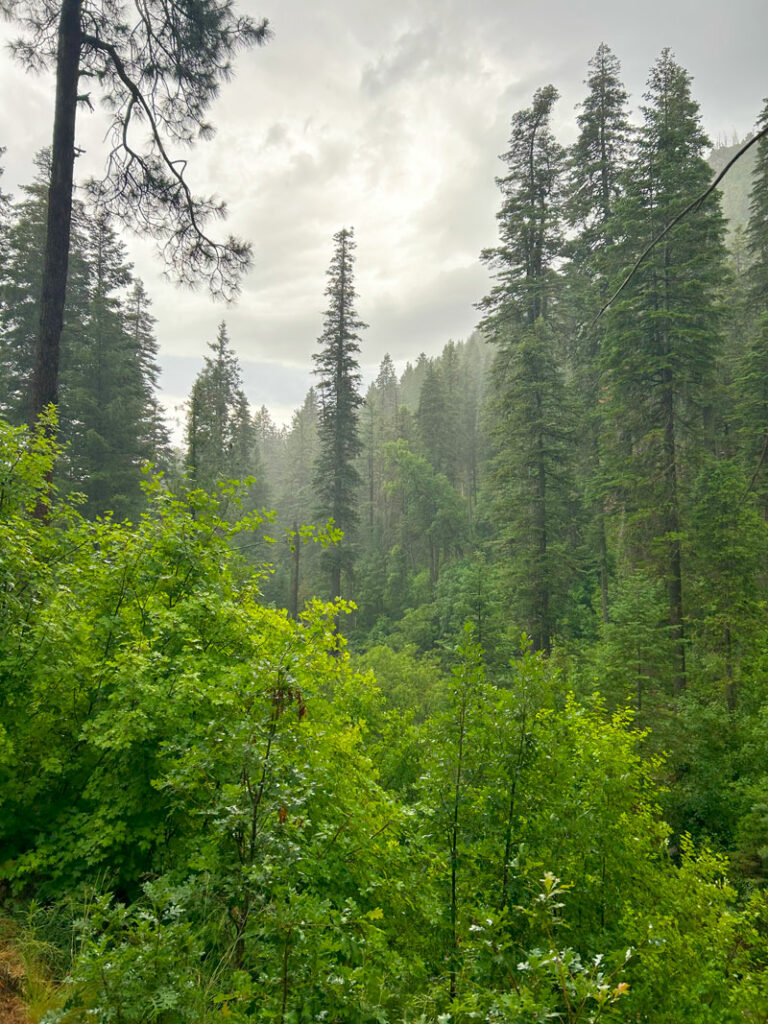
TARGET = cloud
x,y
413,52
389,118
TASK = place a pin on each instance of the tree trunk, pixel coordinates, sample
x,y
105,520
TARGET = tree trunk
x,y
295,572
672,530
542,633
45,382
336,576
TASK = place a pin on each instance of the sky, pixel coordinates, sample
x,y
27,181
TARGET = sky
x,y
388,117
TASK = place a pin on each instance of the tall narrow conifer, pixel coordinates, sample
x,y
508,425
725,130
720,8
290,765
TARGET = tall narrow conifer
x,y
595,166
531,464
663,334
337,369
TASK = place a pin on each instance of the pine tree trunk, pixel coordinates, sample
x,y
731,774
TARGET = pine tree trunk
x,y
672,530
541,603
603,547
336,577
295,572
45,382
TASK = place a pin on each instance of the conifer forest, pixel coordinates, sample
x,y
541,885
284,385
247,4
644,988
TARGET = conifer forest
x,y
446,700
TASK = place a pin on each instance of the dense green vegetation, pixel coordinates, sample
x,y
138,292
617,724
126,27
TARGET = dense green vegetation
x,y
472,727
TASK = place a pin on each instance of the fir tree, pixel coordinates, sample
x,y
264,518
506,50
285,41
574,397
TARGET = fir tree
x,y
139,325
337,369
22,272
752,374
104,395
388,392
596,163
108,414
19,286
599,155
432,418
221,437
530,219
5,209
530,471
663,333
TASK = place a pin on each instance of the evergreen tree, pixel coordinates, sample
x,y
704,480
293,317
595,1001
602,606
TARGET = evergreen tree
x,y
221,437
270,440
598,157
337,369
5,209
388,390
530,470
411,382
20,284
139,325
757,229
596,163
530,219
102,395
663,334
752,375
432,418
296,504
108,414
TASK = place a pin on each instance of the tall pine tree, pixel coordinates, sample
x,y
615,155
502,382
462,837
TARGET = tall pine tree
x,y
753,376
221,435
596,163
663,335
337,369
530,472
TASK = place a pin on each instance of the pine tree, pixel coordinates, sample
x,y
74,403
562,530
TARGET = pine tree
x,y
5,210
752,375
20,284
221,437
596,164
139,325
337,369
432,417
108,414
105,399
530,473
663,334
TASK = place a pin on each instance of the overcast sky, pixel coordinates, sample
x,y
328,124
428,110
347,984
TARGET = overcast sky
x,y
388,116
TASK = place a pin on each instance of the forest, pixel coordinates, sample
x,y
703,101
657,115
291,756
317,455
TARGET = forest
x,y
445,702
